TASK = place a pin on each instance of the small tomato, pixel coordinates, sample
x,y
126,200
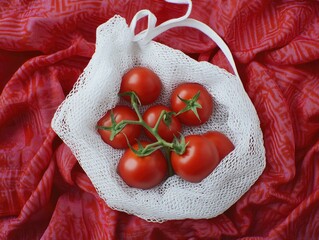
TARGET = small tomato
x,y
166,131
198,161
221,141
132,132
187,91
142,172
144,82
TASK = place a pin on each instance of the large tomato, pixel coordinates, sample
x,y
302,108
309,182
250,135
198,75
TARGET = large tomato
x,y
198,161
222,142
132,132
187,91
142,172
167,132
144,82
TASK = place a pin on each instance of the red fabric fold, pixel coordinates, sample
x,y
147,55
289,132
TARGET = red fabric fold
x,y
44,47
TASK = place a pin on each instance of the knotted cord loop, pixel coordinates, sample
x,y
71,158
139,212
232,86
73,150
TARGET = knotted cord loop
x,y
147,35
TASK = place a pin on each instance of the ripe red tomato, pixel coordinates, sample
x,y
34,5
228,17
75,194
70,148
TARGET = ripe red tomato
x,y
198,161
144,82
142,172
222,142
132,132
166,132
187,91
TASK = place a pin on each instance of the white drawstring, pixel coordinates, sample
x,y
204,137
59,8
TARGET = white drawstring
x,y
151,32
151,22
140,37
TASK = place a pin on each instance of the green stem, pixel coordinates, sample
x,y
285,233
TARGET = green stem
x,y
167,153
151,145
125,122
104,128
159,139
135,107
176,145
153,131
159,121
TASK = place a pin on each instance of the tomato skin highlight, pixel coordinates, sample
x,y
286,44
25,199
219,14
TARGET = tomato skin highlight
x,y
221,141
144,82
187,91
142,172
132,132
198,161
151,116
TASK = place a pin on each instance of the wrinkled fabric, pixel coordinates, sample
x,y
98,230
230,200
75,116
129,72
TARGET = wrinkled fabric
x,y
44,47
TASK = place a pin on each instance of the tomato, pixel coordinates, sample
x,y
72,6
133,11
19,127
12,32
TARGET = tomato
x,y
198,161
131,131
144,82
142,172
187,91
166,132
222,142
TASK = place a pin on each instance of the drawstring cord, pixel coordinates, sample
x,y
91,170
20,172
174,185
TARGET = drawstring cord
x,y
145,36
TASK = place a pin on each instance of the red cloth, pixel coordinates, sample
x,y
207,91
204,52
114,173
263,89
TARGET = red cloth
x,y
44,46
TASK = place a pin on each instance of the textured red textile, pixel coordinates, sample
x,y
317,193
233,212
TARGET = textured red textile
x,y
44,46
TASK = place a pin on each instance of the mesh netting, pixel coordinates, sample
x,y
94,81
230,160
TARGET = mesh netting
x,y
95,93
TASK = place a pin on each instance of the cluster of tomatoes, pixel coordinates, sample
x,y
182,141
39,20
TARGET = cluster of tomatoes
x,y
146,164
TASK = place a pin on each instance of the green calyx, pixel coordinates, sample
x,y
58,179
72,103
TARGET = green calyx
x,y
142,151
191,105
115,128
179,145
134,98
167,118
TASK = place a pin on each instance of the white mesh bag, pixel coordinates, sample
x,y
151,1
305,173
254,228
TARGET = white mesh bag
x,y
96,92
